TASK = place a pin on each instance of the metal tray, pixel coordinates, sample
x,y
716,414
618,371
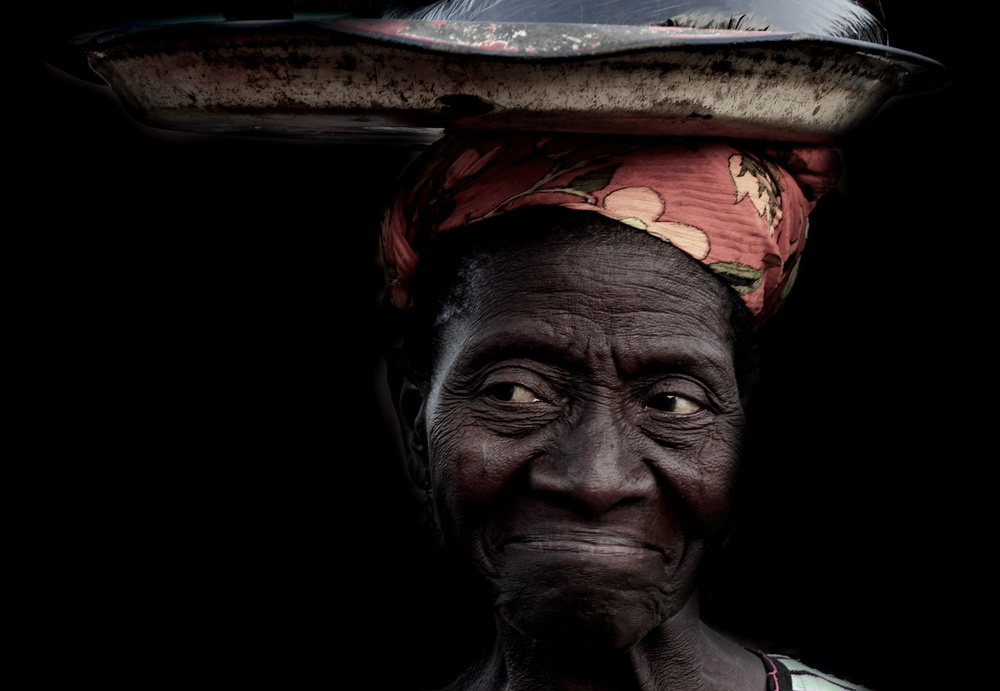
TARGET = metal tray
x,y
407,80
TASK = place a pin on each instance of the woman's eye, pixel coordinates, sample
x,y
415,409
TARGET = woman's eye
x,y
512,393
672,403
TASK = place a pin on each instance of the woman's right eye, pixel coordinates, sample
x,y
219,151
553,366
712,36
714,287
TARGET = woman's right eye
x,y
512,393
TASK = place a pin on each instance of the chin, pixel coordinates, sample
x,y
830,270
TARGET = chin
x,y
581,607
580,622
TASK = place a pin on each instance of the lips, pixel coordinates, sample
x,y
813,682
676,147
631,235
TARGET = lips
x,y
597,543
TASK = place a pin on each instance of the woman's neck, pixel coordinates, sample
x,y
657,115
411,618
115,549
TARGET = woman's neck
x,y
682,654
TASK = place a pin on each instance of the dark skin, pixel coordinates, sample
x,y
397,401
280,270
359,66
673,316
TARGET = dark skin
x,y
581,429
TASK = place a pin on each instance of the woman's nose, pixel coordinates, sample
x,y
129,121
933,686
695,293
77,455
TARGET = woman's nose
x,y
591,469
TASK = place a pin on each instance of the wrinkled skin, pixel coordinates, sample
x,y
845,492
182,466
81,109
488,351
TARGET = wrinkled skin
x,y
581,430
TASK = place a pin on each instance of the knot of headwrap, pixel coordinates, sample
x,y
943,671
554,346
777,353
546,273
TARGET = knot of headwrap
x,y
741,213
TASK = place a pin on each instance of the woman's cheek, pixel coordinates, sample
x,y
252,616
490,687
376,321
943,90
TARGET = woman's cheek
x,y
472,470
707,484
473,459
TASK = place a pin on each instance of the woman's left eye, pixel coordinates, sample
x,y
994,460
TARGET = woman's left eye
x,y
674,403
512,393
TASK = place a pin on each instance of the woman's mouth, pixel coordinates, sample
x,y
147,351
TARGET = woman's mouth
x,y
590,543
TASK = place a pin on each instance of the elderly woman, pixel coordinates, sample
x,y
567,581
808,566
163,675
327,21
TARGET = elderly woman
x,y
577,359
588,473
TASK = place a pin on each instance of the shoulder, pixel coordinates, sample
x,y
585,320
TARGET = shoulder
x,y
798,677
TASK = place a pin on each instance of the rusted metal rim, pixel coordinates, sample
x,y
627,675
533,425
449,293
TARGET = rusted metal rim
x,y
408,80
523,41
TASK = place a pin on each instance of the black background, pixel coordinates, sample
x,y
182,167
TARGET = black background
x,y
219,497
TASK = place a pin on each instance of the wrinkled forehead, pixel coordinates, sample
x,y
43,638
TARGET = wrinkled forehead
x,y
621,295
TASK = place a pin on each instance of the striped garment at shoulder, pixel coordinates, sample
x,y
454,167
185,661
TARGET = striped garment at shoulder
x,y
805,678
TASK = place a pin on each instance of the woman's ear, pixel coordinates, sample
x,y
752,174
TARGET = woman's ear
x,y
409,402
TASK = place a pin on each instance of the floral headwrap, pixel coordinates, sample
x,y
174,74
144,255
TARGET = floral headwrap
x,y
743,215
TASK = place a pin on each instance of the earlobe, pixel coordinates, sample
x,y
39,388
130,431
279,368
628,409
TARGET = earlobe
x,y
409,402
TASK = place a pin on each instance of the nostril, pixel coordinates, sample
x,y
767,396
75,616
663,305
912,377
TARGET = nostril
x,y
591,480
569,503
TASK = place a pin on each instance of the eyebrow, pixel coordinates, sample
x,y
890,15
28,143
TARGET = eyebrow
x,y
675,356
669,357
489,350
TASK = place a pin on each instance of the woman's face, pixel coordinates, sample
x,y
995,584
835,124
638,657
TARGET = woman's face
x,y
582,428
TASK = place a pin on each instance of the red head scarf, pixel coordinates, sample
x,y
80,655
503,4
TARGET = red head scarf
x,y
743,215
